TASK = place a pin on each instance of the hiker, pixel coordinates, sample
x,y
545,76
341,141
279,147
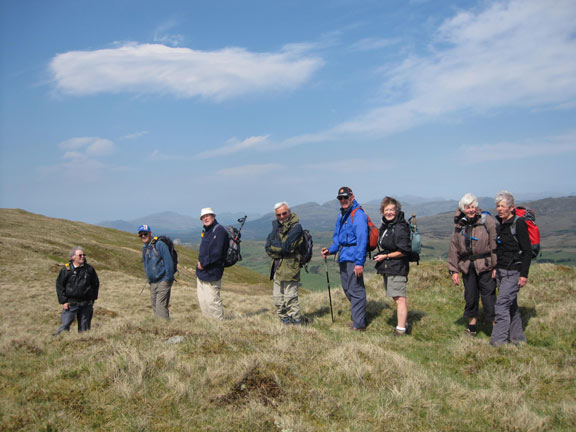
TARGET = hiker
x,y
159,268
473,253
349,241
514,254
282,246
392,262
77,288
210,267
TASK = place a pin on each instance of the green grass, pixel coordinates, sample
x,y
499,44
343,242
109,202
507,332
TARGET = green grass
x,y
249,373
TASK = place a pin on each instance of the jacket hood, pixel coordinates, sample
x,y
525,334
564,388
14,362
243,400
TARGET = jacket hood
x,y
460,218
292,220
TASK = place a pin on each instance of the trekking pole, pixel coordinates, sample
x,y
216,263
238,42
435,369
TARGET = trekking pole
x,y
329,295
241,222
142,290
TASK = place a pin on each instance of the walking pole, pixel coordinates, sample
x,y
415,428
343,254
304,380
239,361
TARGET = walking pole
x,y
329,295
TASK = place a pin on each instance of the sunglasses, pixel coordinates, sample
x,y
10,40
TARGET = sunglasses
x,y
340,198
282,214
144,234
81,255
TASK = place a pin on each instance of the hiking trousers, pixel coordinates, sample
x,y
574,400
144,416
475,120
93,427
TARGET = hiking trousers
x,y
478,286
507,322
209,298
285,296
160,298
355,291
82,312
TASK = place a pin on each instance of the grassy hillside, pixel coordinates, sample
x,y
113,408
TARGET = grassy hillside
x,y
249,373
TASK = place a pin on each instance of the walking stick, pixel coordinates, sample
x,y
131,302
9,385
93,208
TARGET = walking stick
x,y
329,295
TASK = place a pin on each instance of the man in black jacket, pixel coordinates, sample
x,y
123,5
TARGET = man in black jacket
x,y
77,288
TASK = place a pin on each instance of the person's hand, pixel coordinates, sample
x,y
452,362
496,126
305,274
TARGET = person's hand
x,y
324,252
66,306
199,266
456,278
358,270
379,257
522,281
494,274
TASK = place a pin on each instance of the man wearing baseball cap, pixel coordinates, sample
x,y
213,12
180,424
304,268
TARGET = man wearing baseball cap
x,y
159,269
349,241
210,267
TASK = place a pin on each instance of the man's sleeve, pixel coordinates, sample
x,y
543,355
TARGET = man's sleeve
x,y
162,248
361,228
525,247
335,243
95,284
61,286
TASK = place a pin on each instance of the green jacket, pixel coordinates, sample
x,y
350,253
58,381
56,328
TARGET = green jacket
x,y
282,246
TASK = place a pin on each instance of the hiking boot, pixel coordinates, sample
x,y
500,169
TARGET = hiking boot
x,y
286,321
362,329
470,333
300,321
399,332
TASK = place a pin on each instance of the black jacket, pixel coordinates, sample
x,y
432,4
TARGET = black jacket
x,y
212,250
394,236
75,285
513,253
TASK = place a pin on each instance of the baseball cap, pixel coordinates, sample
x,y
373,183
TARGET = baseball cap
x,y
344,191
144,228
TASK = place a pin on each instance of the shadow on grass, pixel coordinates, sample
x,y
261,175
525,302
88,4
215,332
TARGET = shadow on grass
x,y
374,310
485,326
413,317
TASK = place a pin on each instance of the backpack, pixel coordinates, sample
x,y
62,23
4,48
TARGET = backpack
x,y
373,231
168,242
305,249
528,215
415,240
232,254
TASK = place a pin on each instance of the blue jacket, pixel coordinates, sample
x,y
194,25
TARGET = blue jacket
x,y
158,263
351,237
212,250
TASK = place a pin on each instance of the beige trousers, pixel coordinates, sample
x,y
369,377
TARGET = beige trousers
x,y
209,298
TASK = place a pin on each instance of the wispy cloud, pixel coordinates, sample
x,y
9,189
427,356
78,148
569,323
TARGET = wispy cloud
x,y
350,165
518,53
253,170
547,146
234,146
373,44
86,148
182,72
134,135
163,35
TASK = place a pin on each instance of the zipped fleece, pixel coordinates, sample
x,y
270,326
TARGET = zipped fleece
x,y
282,246
471,237
158,263
77,284
512,254
351,237
211,254
394,236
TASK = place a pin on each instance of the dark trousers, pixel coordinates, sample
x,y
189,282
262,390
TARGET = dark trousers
x,y
475,286
82,312
355,291
508,323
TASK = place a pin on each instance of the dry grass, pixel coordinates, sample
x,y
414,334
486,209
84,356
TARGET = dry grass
x,y
249,372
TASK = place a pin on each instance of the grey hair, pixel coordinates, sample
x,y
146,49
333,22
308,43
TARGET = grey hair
x,y
280,204
505,196
467,200
74,249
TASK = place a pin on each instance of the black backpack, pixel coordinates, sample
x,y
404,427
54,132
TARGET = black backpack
x,y
173,253
232,254
305,249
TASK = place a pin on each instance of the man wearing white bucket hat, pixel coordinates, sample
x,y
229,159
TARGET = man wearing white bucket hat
x,y
210,267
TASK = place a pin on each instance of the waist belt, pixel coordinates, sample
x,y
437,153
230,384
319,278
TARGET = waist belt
x,y
473,257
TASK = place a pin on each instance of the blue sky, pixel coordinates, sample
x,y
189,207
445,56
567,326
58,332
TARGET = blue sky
x,y
118,109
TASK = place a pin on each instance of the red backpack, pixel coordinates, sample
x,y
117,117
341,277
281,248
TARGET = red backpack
x,y
528,215
372,231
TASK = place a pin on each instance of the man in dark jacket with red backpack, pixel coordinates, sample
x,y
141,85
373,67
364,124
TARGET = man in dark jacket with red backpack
x,y
77,288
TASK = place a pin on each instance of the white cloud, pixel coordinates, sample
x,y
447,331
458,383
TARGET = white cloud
x,y
513,54
86,147
547,146
235,146
134,135
182,72
253,170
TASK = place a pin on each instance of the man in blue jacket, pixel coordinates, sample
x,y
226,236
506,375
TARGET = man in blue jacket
x,y
210,267
159,269
349,241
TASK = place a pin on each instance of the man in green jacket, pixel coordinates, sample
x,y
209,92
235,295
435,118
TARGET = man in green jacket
x,y
282,246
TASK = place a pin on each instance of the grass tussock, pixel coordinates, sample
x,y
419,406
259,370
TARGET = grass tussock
x,y
250,373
